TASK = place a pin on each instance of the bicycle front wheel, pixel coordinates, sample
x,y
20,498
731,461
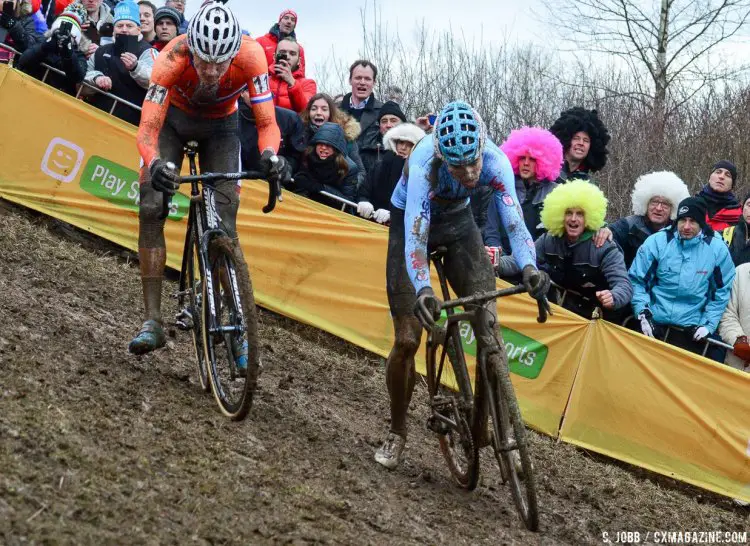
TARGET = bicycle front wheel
x,y
194,289
230,329
459,449
509,439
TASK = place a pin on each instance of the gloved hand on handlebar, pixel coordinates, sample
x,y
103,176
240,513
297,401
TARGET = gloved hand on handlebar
x,y
427,308
536,282
164,177
274,166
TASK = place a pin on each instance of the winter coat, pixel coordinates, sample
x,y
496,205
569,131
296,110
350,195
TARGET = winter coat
x,y
722,209
23,35
129,86
582,268
271,40
370,139
531,197
738,239
630,233
382,179
71,61
682,282
105,16
582,173
736,319
351,133
295,97
292,138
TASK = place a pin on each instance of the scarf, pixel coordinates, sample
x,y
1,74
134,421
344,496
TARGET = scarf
x,y
716,201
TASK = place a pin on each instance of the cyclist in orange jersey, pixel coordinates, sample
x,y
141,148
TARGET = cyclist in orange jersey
x,y
195,84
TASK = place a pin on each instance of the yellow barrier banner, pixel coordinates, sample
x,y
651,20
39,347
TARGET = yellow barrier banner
x,y
662,408
327,269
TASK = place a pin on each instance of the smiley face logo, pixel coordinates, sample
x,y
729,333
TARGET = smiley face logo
x,y
62,161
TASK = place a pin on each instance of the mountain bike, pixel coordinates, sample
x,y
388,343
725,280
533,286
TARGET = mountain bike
x,y
215,295
457,415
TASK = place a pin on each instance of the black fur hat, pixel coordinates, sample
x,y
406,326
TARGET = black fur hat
x,y
578,119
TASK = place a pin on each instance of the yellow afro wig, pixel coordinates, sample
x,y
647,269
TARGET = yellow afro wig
x,y
577,194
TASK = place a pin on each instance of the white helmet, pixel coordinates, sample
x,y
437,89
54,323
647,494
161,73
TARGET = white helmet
x,y
214,34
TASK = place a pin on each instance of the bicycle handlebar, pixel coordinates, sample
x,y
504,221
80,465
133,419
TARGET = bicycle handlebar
x,y
484,297
274,186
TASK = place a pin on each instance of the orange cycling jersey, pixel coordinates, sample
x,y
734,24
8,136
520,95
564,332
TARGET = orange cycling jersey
x,y
174,81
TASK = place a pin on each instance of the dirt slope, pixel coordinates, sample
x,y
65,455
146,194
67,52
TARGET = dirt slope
x,y
99,447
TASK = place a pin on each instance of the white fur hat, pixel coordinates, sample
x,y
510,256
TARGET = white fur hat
x,y
664,184
403,131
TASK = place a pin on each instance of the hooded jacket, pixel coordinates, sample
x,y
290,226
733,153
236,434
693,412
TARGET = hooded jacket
x,y
292,138
682,282
580,267
351,133
320,175
382,179
531,197
271,40
369,141
735,321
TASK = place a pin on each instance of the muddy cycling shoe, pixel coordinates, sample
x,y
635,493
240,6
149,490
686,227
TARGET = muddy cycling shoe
x,y
389,454
239,350
150,337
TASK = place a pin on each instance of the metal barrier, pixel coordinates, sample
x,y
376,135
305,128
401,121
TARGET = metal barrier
x,y
344,202
117,100
708,340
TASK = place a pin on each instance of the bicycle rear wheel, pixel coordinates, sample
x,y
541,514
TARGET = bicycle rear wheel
x,y
459,449
194,289
509,436
228,326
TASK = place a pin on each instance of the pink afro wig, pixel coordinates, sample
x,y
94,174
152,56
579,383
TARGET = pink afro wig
x,y
538,143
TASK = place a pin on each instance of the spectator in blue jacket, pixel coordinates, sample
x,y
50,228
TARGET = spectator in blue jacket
x,y
682,277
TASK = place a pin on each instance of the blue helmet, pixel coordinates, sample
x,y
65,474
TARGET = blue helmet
x,y
459,134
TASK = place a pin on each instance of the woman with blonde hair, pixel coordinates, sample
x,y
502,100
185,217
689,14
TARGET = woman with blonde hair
x,y
18,29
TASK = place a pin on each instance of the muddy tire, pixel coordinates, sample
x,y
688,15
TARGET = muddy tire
x,y
459,449
194,299
236,320
509,437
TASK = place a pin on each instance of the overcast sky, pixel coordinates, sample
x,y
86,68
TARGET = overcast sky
x,y
327,26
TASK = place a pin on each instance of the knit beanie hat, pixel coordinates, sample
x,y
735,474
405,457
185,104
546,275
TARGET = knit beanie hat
x,y
168,13
393,109
728,165
74,14
289,12
693,207
127,11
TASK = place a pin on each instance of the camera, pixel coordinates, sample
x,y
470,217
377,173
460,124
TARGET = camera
x,y
282,56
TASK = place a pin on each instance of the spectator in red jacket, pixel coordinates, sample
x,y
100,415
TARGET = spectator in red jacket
x,y
722,207
285,28
290,89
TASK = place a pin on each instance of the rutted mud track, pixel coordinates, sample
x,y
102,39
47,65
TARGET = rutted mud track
x,y
99,447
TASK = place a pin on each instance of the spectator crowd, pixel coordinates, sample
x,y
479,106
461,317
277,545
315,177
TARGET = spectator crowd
x,y
677,269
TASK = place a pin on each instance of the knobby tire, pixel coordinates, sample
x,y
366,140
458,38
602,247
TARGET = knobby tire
x,y
224,251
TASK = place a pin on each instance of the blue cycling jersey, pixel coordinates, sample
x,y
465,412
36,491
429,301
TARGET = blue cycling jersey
x,y
420,202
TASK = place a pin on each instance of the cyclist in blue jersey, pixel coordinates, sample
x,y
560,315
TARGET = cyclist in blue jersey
x,y
430,208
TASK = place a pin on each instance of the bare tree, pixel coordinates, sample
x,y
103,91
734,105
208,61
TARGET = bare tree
x,y
669,41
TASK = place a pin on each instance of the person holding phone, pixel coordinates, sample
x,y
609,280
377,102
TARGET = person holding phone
x,y
60,50
98,15
17,27
124,67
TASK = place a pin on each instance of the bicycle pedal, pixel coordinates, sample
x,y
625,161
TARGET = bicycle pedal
x,y
437,425
184,320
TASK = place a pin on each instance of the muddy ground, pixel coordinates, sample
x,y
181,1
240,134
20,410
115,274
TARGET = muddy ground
x,y
99,447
